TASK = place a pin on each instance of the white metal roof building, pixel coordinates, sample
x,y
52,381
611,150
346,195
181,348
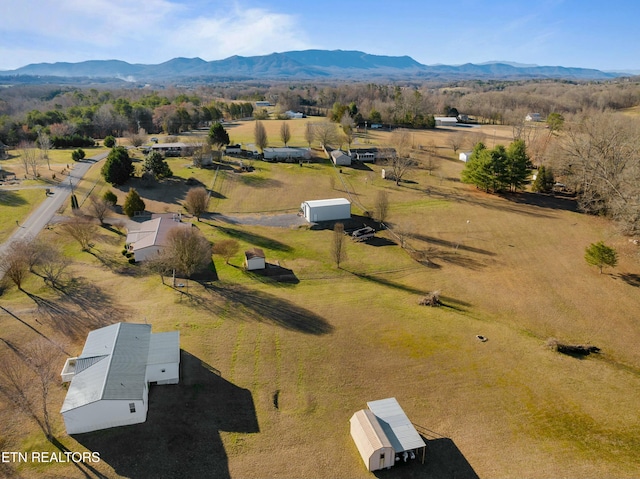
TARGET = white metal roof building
x,y
385,427
109,380
326,210
397,426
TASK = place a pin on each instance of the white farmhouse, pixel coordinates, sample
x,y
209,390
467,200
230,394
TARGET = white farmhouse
x,y
110,379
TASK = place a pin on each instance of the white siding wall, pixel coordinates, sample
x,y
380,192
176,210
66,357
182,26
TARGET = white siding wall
x,y
104,414
171,374
255,263
327,213
144,253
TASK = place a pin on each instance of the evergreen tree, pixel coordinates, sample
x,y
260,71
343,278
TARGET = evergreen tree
x,y
110,197
156,164
109,141
518,163
118,167
600,255
132,203
544,180
478,170
218,136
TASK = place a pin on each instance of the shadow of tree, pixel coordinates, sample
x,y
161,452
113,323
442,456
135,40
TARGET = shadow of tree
x,y
181,437
386,282
449,244
11,198
430,257
631,279
557,201
254,239
81,307
260,306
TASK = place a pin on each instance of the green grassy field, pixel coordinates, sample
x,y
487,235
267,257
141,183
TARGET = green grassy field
x,y
511,269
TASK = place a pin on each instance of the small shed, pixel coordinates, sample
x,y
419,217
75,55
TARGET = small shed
x,y
254,259
326,210
465,155
340,159
398,428
371,441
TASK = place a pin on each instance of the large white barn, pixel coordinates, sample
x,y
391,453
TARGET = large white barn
x,y
110,379
326,210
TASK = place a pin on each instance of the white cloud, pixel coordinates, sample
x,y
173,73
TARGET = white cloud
x,y
152,31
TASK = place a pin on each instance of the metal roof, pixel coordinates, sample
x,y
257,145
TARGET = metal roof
x,y
164,348
370,427
396,425
330,202
119,374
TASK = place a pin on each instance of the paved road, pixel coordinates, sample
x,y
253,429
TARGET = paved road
x,y
48,208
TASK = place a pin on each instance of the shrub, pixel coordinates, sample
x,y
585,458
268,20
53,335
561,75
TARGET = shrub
x,y
109,141
77,155
110,197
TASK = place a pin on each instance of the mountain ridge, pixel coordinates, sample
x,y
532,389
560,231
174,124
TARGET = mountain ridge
x,y
303,64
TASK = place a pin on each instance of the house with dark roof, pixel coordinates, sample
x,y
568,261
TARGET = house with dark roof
x,y
109,381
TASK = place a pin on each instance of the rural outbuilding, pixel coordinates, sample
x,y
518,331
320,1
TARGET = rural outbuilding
x,y
371,441
287,154
326,210
383,429
340,159
110,379
254,259
465,155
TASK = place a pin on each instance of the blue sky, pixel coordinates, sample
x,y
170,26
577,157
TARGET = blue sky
x,y
577,33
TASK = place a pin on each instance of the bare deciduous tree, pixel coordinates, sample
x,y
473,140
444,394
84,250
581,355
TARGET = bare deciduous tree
x,y
260,136
226,248
381,207
455,141
187,250
99,208
136,139
402,162
26,378
29,157
285,133
196,201
80,229
601,160
430,151
309,134
325,133
52,265
44,142
338,250
14,263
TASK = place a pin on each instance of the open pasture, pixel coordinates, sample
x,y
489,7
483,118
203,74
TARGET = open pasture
x,y
299,359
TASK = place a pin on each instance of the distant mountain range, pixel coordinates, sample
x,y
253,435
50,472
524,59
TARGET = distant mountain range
x,y
295,65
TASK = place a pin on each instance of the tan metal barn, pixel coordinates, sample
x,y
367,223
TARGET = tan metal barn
x,y
371,441
384,435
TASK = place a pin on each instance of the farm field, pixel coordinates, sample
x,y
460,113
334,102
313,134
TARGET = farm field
x,y
273,371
